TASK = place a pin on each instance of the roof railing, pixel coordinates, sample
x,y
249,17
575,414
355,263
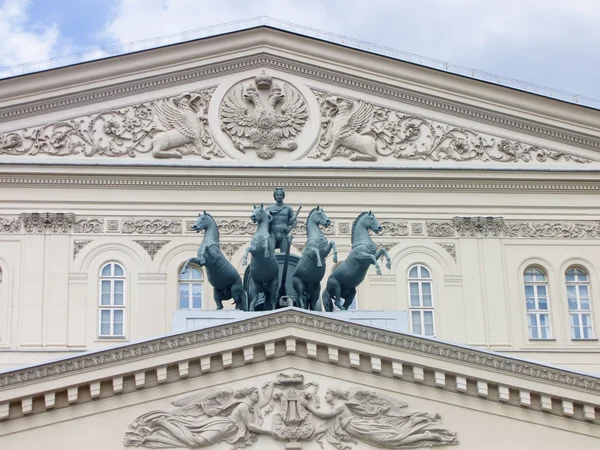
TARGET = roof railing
x,y
215,30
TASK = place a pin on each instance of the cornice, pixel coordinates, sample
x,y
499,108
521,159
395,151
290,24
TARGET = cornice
x,y
310,321
269,180
310,71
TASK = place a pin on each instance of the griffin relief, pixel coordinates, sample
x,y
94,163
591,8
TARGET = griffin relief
x,y
263,116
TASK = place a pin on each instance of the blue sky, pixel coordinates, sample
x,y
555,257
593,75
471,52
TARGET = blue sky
x,y
548,42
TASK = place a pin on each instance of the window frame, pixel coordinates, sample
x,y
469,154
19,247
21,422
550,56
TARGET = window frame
x,y
579,311
190,282
112,307
421,309
536,311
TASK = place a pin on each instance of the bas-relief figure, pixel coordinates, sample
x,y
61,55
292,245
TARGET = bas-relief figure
x,y
185,123
344,279
376,420
361,131
311,267
168,127
202,420
263,117
221,274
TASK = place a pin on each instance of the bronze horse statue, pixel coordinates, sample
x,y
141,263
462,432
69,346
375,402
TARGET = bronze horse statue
x,y
264,269
342,283
223,277
310,269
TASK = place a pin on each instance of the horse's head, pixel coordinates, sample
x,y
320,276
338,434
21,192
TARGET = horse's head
x,y
372,223
201,222
260,214
318,216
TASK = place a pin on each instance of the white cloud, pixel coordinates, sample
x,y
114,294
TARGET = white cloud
x,y
23,41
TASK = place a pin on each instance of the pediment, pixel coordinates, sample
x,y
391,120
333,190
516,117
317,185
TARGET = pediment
x,y
266,99
385,377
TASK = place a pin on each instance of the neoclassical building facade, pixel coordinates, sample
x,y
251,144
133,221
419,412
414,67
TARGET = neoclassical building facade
x,y
487,198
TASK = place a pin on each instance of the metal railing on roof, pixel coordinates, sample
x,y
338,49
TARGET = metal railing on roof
x,y
215,30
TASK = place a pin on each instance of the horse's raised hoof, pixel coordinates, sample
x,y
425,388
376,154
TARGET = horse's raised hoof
x,y
335,258
378,271
389,265
245,262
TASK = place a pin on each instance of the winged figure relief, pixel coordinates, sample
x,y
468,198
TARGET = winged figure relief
x,y
261,123
201,420
344,128
185,124
377,420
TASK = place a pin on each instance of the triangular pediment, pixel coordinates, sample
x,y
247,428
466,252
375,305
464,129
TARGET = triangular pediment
x,y
302,356
263,97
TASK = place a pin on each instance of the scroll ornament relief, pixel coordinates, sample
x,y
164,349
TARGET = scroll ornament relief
x,y
202,420
169,128
262,115
361,131
151,226
500,228
152,247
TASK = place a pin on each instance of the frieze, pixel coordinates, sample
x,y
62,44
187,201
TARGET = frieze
x,y
237,227
394,228
112,226
309,70
362,131
344,227
473,226
88,226
169,127
300,228
497,227
416,229
77,246
152,247
151,226
10,225
305,319
54,222
240,417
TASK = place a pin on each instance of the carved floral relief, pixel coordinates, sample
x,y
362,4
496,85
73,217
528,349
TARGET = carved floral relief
x,y
169,127
361,131
240,418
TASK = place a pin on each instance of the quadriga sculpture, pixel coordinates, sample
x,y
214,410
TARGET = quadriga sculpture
x,y
222,276
342,283
264,269
311,267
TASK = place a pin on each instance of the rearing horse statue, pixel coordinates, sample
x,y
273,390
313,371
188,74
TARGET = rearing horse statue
x,y
264,270
311,266
342,283
222,276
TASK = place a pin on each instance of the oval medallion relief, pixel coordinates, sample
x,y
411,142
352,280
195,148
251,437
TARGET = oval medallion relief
x,y
266,116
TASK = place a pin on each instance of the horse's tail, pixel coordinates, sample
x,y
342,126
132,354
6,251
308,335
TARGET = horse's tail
x,y
326,300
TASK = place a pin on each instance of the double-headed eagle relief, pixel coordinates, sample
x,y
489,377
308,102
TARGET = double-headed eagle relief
x,y
288,410
264,116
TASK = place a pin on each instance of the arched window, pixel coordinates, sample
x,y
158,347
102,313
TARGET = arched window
x,y
421,300
578,296
190,288
112,300
536,300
